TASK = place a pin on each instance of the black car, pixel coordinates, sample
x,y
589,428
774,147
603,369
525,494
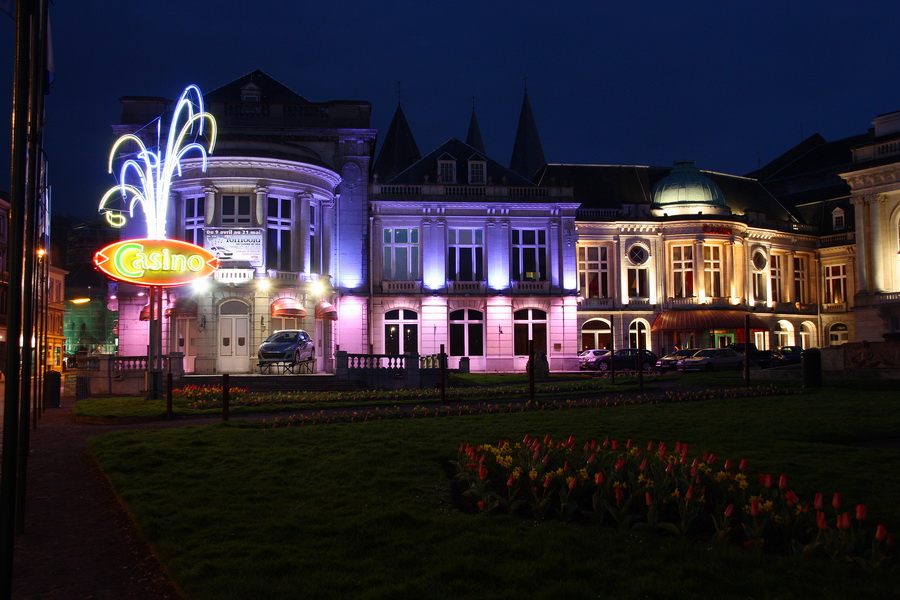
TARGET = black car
x,y
786,355
626,359
288,345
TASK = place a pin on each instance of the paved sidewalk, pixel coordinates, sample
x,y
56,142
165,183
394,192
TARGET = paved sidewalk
x,y
78,542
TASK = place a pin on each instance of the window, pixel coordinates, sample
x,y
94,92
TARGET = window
x,y
529,255
760,279
278,234
712,270
465,255
683,271
194,221
477,172
401,331
446,171
638,335
235,210
401,254
837,219
529,324
315,263
801,280
638,282
838,334
835,284
593,271
777,277
466,332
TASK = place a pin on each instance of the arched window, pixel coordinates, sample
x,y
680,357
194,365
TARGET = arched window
x,y
596,333
638,334
784,334
529,324
466,332
401,331
838,334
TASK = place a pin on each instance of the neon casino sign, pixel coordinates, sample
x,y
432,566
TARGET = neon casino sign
x,y
155,262
144,181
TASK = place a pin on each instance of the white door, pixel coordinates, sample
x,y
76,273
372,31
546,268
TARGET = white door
x,y
234,338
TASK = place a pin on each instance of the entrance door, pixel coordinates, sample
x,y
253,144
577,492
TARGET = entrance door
x,y
234,337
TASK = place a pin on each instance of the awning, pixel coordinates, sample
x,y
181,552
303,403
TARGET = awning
x,y
702,319
325,310
184,308
145,313
287,308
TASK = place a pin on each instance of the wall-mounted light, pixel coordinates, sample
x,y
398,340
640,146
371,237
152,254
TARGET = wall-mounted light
x,y
201,323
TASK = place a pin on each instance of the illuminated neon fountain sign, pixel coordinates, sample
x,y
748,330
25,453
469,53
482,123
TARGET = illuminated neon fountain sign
x,y
145,182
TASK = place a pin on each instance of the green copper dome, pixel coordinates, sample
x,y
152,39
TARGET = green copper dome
x,y
685,190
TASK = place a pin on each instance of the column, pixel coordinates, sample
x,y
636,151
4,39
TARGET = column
x,y
261,192
876,254
325,231
301,253
862,242
210,193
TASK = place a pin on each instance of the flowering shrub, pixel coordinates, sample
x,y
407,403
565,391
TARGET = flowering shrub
x,y
656,486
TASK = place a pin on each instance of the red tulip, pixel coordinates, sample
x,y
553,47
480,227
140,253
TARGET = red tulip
x,y
742,466
880,533
649,446
836,501
821,521
792,498
728,510
843,521
614,445
598,479
670,467
628,444
620,463
754,508
480,505
818,502
548,481
648,498
643,465
482,472
861,512
511,481
573,483
727,466
689,494
591,458
782,482
620,495
766,480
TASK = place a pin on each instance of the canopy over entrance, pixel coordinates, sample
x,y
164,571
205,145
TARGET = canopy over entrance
x,y
703,319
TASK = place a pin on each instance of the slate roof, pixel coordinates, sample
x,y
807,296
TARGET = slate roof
x,y
273,92
399,149
528,154
611,186
426,169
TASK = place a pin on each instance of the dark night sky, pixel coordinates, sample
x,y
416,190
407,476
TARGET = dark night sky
x,y
728,84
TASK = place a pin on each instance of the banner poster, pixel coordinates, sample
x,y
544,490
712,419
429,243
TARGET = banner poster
x,y
232,244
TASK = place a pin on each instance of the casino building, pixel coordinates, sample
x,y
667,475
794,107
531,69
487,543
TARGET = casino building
x,y
401,252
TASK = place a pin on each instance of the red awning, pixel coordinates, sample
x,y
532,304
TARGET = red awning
x,y
184,308
325,310
702,319
287,308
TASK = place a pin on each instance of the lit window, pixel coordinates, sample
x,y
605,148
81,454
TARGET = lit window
x,y
465,255
278,234
683,271
529,255
835,284
401,331
837,219
401,254
194,219
712,270
777,277
593,271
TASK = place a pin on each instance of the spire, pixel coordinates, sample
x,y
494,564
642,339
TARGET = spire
x,y
473,138
399,149
528,155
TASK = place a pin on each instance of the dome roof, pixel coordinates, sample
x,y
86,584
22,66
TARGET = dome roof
x,y
685,190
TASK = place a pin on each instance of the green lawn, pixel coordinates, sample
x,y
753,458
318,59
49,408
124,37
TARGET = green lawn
x,y
364,510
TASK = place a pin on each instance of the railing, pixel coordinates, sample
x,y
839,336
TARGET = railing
x,y
531,287
834,307
596,302
465,287
401,287
444,190
597,214
234,275
838,239
388,371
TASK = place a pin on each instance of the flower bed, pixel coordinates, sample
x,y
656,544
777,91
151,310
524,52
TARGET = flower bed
x,y
665,489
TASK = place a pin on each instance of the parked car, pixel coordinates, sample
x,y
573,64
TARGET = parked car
x,y
712,359
287,345
588,358
626,359
751,350
670,360
786,355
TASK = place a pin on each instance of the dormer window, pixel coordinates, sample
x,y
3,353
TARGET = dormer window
x,y
837,219
446,171
250,93
477,172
